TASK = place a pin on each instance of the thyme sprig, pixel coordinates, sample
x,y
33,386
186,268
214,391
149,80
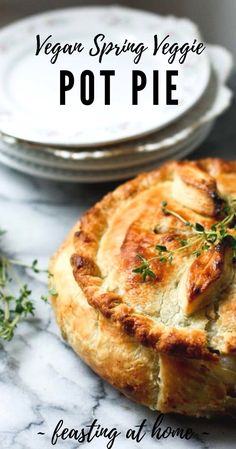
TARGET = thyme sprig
x,y
200,238
16,301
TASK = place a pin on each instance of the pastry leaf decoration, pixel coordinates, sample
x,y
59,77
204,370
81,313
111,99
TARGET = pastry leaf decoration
x,y
200,238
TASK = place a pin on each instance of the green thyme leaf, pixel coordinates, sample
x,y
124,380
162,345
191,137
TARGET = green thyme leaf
x,y
144,269
199,227
161,248
211,237
230,240
205,246
150,273
197,253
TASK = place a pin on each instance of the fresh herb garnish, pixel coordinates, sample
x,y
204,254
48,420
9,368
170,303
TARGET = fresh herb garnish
x,y
144,268
200,238
15,303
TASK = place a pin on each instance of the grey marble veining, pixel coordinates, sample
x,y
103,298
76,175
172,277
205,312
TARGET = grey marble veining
x,y
41,379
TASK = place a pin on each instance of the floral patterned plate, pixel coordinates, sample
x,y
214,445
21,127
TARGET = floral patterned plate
x,y
29,84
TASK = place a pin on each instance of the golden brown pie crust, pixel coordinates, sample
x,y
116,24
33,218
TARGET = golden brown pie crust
x,y
140,335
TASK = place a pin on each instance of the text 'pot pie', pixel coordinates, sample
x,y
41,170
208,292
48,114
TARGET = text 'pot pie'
x,y
146,291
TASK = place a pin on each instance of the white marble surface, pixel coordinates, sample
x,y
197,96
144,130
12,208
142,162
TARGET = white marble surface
x,y
41,379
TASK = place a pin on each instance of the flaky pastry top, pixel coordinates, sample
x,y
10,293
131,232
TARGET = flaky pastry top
x,y
157,258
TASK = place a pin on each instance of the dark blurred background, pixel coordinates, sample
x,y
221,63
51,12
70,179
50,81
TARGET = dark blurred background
x,y
216,18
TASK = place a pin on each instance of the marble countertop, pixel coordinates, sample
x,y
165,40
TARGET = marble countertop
x,y
41,379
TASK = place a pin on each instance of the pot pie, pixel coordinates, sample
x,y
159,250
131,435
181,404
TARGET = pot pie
x,y
146,291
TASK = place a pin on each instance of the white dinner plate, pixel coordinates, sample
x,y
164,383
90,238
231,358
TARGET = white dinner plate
x,y
134,159
59,174
29,84
156,146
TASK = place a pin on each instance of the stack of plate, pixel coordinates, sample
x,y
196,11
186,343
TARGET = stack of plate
x,y
101,143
